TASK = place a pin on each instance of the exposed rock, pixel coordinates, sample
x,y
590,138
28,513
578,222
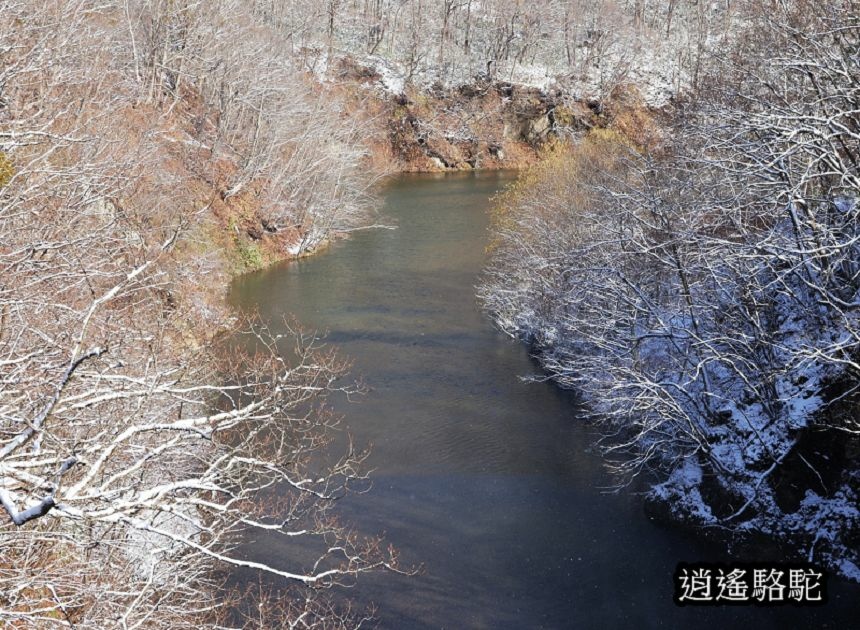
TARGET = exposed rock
x,y
535,129
350,69
110,211
482,124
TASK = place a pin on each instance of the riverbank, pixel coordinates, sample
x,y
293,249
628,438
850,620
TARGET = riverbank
x,y
684,289
479,126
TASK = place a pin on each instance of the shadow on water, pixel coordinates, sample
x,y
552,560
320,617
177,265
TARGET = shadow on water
x,y
486,480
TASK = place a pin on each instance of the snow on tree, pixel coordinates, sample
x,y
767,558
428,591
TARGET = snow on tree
x,y
702,291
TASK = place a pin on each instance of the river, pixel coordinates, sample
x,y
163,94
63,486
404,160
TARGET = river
x,y
489,482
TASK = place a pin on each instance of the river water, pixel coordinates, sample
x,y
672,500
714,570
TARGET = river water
x,y
488,482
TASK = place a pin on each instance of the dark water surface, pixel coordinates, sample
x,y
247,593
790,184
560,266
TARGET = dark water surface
x,y
487,481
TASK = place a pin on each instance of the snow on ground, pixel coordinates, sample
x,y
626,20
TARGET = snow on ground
x,y
653,66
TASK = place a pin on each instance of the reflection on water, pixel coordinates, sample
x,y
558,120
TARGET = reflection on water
x,y
484,479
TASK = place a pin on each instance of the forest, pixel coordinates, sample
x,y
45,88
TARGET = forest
x,y
681,250
695,279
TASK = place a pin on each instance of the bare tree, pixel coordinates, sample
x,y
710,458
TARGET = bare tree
x,y
140,438
702,294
